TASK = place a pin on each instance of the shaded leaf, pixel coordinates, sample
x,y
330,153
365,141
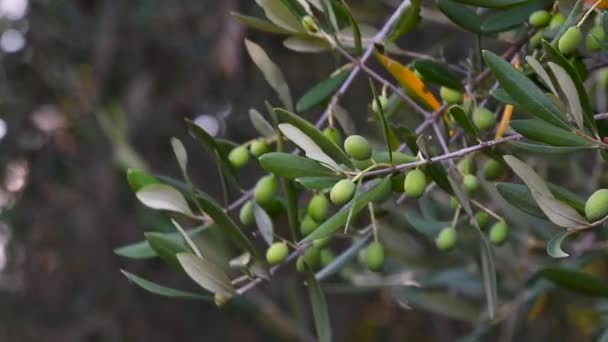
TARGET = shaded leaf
x,y
575,280
260,124
569,89
280,15
291,166
309,146
424,226
165,247
181,155
463,118
322,91
519,196
306,44
206,274
344,120
264,223
318,183
260,24
408,20
492,3
460,15
163,197
163,290
441,302
541,72
139,178
143,250
554,247
546,149
319,307
543,132
437,73
512,17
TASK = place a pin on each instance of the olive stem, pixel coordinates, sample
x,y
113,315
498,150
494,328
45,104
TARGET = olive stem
x,y
372,216
589,11
456,216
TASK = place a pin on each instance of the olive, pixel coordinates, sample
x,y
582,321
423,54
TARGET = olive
x,y
499,233
265,189
322,242
238,157
358,147
327,256
311,257
570,41
471,183
454,203
557,21
318,207
374,256
539,18
597,205
414,184
276,253
309,24
595,39
446,239
342,192
536,39
333,134
308,225
466,166
246,213
483,118
482,218
259,147
492,169
450,96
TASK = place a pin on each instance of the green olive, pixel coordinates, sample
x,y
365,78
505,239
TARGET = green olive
x,y
357,147
466,166
238,157
414,184
492,170
308,225
318,207
499,233
557,21
483,118
342,192
220,300
259,147
383,103
265,189
311,257
471,183
596,207
454,203
595,39
334,135
482,218
246,213
276,253
536,39
322,242
309,24
450,96
539,18
374,256
446,240
570,41
602,77
327,256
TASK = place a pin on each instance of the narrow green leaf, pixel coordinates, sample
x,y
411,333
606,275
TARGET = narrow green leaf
x,y
424,226
546,149
260,24
328,146
512,17
319,307
344,120
280,15
381,120
408,20
163,290
488,272
501,95
307,144
260,124
569,89
181,155
139,178
264,223
492,3
291,166
437,73
330,15
143,250
317,183
541,72
206,274
543,132
378,191
439,176
460,15
271,71
519,196
524,91
163,197
554,247
575,280
165,247
354,25
306,44
464,120
322,91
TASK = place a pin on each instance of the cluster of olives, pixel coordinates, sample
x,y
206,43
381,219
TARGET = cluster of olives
x,y
482,117
498,234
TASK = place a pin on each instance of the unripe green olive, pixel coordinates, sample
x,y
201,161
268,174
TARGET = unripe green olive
x,y
482,218
220,300
322,242
342,192
536,39
357,147
454,203
446,239
570,41
276,253
499,233
311,256
238,157
539,18
595,38
471,183
466,166
383,102
602,76
596,207
334,135
374,256
557,21
309,23
308,225
259,147
492,170
450,96
397,182
246,213
264,189
327,256
414,184
483,118
318,207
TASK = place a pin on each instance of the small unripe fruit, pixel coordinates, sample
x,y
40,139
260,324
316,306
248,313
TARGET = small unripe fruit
x,y
450,96
322,242
383,102
539,18
471,183
311,256
492,170
499,233
374,256
446,239
454,203
357,147
482,218
342,192
308,225
602,77
414,184
276,253
220,300
318,207
309,23
570,41
596,207
334,135
466,166
238,157
246,213
265,189
259,147
536,39
483,118
327,256
557,21
595,38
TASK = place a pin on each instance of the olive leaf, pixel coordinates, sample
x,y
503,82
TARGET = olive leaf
x,y
492,3
291,166
280,15
569,89
260,24
260,124
513,16
206,274
319,307
461,15
264,223
306,44
137,179
163,197
161,290
166,248
310,148
541,72
554,247
322,90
